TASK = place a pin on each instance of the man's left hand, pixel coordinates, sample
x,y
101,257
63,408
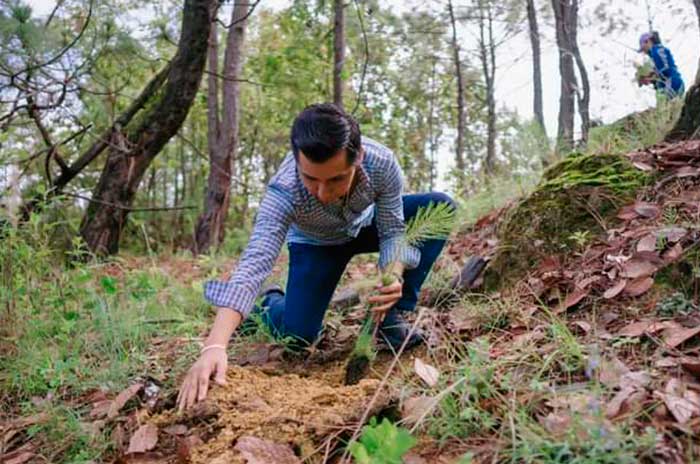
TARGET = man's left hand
x,y
388,296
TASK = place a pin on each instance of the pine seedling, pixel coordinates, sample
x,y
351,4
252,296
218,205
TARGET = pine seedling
x,y
432,222
435,221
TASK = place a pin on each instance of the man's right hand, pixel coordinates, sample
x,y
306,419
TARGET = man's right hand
x,y
196,384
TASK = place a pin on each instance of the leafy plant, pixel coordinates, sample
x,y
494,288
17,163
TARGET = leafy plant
x,y
676,304
581,238
382,443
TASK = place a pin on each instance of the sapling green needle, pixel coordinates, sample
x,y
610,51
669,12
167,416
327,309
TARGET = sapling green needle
x,y
432,222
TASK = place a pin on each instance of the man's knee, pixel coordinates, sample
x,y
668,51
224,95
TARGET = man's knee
x,y
440,197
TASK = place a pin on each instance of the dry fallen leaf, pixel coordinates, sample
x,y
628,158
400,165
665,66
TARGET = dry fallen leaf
x,y
615,290
628,398
123,398
583,325
675,252
646,209
674,337
414,407
177,429
100,409
637,329
639,286
636,379
428,373
611,371
642,166
573,298
627,213
682,404
145,439
647,243
635,268
257,451
691,365
672,234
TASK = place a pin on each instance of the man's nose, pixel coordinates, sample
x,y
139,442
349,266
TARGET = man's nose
x,y
323,194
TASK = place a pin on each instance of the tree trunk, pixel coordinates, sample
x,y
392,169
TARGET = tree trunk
x,y
432,138
536,65
567,99
461,102
222,131
487,48
584,95
134,147
338,52
688,125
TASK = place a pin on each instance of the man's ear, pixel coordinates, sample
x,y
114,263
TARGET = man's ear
x,y
360,157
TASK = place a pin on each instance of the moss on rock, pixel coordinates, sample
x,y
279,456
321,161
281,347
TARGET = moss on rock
x,y
572,203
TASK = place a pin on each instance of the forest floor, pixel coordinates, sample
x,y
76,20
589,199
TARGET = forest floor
x,y
593,355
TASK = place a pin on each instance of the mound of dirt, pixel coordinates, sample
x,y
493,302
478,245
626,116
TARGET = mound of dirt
x,y
305,415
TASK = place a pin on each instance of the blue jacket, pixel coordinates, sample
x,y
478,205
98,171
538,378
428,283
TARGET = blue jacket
x,y
669,79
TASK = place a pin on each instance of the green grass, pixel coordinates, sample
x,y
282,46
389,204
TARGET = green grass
x,y
70,329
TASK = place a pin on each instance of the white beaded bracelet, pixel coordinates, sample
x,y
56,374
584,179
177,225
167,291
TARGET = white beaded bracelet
x,y
211,347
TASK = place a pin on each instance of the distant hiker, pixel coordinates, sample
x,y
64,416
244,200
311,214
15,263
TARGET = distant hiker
x,y
665,77
335,195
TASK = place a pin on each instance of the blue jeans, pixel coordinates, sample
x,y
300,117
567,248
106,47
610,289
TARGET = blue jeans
x,y
314,272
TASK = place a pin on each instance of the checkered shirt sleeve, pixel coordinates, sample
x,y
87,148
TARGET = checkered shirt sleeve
x,y
274,217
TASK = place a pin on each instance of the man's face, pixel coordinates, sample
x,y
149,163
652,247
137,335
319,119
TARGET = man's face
x,y
330,180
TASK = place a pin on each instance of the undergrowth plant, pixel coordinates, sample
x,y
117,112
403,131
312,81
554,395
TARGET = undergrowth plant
x,y
381,443
70,329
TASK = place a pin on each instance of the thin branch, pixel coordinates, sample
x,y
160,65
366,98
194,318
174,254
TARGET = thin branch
x,y
59,3
121,122
63,51
240,20
229,79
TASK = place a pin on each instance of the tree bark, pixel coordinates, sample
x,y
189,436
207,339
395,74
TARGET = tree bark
x,y
536,65
338,51
567,99
584,95
134,147
461,102
222,131
688,125
487,48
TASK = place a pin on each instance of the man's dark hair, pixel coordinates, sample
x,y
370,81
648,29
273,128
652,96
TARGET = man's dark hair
x,y
321,130
655,38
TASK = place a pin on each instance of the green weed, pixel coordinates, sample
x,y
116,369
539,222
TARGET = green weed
x,y
381,443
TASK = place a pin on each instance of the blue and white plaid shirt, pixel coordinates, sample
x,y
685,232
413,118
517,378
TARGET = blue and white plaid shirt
x,y
289,210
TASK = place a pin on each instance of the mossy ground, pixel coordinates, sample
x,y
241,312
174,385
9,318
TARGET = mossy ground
x,y
574,201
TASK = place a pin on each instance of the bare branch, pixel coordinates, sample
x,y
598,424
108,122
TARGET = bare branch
x,y
63,51
240,20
